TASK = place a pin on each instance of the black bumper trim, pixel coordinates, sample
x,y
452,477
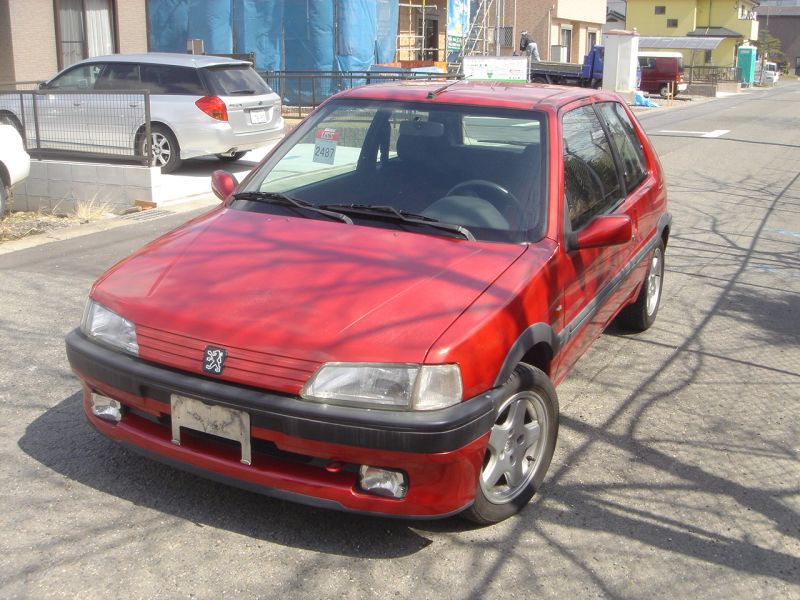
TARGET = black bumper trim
x,y
421,432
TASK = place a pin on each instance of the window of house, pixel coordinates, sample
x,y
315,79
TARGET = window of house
x,y
591,181
707,59
672,23
84,28
566,41
661,10
591,40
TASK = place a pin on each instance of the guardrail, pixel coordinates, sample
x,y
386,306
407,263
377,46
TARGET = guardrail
x,y
96,124
302,91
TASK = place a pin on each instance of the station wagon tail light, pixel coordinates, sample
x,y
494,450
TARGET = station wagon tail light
x,y
108,327
388,386
214,107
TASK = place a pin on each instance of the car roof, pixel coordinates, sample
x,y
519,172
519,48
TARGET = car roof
x,y
173,59
497,94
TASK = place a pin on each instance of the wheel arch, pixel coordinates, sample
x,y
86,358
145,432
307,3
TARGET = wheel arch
x,y
141,129
12,119
535,346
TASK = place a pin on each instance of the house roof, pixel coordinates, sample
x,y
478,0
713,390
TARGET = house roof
x,y
778,11
679,42
722,32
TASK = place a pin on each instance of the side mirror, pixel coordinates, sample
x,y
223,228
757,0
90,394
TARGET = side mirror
x,y
610,230
223,184
42,85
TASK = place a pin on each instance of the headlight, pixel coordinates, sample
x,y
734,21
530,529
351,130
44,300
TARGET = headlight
x,y
392,386
108,327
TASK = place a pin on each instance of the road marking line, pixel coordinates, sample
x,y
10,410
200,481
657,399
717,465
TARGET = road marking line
x,y
706,134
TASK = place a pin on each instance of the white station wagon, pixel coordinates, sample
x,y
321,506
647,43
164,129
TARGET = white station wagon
x,y
199,106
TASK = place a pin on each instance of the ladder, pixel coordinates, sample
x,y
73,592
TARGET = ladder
x,y
476,41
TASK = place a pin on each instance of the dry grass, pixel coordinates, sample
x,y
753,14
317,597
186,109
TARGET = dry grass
x,y
18,225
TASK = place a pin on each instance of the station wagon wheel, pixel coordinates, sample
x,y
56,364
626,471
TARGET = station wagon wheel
x,y
166,153
3,199
521,445
640,315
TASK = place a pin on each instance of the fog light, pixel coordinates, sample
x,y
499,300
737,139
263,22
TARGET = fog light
x,y
383,482
106,408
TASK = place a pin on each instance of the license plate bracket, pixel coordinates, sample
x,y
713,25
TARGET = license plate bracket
x,y
258,117
220,421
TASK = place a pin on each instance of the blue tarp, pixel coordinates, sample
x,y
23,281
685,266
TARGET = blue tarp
x,y
210,20
259,28
388,13
169,25
295,35
308,42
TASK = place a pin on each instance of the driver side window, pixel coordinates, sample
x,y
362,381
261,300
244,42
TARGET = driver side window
x,y
591,181
79,78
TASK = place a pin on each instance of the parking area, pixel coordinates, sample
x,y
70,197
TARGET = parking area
x,y
677,470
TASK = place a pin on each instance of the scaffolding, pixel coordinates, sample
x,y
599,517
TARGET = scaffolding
x,y
418,33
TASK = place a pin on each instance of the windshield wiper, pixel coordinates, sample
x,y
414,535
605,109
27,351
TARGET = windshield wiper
x,y
235,92
400,215
292,202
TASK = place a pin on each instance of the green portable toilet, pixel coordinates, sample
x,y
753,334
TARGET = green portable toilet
x,y
746,61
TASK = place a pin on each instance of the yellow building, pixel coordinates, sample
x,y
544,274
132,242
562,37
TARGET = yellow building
x,y
733,20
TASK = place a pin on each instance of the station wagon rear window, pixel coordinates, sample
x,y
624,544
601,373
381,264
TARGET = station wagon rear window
x,y
235,80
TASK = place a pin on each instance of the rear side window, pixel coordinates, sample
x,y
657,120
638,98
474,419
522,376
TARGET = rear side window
x,y
119,76
235,80
591,183
166,79
629,148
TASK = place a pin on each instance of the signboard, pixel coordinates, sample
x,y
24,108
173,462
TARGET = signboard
x,y
496,68
457,23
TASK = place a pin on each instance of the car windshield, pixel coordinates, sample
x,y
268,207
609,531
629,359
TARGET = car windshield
x,y
395,164
235,80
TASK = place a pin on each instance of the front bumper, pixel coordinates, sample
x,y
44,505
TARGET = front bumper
x,y
302,451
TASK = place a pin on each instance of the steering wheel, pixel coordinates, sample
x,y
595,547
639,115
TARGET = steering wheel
x,y
496,191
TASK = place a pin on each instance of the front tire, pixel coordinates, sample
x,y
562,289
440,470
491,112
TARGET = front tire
x,y
166,153
640,315
521,446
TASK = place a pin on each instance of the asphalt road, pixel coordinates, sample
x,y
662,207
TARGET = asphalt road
x,y
676,472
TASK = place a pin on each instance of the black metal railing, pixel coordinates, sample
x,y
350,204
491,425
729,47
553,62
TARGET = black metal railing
x,y
302,91
711,74
96,124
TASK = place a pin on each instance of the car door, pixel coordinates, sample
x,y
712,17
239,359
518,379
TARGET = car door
x,y
112,119
61,108
593,186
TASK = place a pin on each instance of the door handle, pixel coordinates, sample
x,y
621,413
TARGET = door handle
x,y
134,105
77,103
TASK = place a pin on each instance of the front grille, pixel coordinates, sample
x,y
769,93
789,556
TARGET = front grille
x,y
258,369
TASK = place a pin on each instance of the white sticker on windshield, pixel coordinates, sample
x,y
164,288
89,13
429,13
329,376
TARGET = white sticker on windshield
x,y
325,145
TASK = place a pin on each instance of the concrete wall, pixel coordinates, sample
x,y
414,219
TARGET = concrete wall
x,y
58,186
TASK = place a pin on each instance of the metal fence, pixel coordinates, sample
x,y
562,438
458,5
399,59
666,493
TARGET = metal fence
x,y
711,74
96,124
302,91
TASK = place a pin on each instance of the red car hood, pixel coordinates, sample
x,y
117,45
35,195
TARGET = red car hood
x,y
285,294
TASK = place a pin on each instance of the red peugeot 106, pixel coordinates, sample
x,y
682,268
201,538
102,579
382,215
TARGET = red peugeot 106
x,y
375,318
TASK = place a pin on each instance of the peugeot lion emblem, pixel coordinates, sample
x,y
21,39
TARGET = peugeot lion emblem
x,y
214,360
